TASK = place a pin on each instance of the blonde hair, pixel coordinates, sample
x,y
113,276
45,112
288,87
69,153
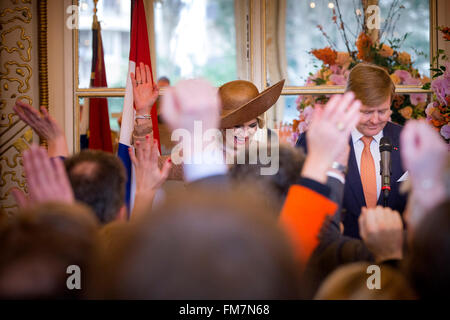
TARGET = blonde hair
x,y
371,84
349,282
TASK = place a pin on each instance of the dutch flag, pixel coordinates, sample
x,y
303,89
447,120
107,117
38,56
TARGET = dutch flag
x,y
139,52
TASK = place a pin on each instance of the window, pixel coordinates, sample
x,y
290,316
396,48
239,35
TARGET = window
x,y
313,44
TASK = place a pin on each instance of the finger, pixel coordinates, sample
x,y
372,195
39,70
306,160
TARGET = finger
x,y
148,74
132,156
331,105
165,171
30,172
342,106
143,75
133,80
138,75
352,116
47,177
62,180
148,148
139,152
20,197
154,153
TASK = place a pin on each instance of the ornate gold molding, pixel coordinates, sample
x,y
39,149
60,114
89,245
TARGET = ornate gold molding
x,y
42,51
16,34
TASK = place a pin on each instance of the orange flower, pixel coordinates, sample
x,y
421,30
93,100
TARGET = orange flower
x,y
406,112
327,55
425,79
404,58
386,51
343,59
364,43
395,79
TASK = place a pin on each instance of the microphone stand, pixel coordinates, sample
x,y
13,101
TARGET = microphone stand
x,y
385,196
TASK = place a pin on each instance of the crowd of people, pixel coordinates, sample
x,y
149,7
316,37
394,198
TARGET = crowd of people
x,y
312,230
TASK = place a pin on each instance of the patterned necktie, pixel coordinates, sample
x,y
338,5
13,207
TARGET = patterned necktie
x,y
368,174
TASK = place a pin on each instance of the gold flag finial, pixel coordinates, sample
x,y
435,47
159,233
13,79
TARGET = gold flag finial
x,y
95,20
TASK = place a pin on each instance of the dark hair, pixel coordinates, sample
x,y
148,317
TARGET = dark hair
x,y
428,264
290,165
37,246
163,78
98,179
205,244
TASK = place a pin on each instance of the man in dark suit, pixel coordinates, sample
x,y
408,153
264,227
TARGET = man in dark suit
x,y
373,86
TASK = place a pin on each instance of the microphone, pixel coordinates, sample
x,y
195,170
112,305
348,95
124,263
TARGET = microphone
x,y
385,167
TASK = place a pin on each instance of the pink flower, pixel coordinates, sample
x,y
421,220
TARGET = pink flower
x,y
307,113
417,98
302,127
445,131
441,87
402,74
430,109
412,81
338,79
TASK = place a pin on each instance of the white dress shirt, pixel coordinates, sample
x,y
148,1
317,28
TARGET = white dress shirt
x,y
358,146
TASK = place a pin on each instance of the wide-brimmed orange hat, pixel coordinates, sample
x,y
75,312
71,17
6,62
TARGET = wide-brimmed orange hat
x,y
241,101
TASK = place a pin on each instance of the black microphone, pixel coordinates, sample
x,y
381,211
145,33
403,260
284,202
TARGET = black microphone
x,y
385,167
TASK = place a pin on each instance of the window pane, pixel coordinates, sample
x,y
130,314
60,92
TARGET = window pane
x,y
114,17
115,106
309,25
196,39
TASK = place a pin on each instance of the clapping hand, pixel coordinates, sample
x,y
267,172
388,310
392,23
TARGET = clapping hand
x,y
145,92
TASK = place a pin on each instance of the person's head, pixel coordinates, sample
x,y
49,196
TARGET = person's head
x,y
351,282
242,110
374,87
163,82
242,134
428,262
276,186
98,179
206,245
38,245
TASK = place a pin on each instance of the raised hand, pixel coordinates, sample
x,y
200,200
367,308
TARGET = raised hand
x,y
329,133
425,156
189,101
45,126
145,92
149,178
46,178
382,231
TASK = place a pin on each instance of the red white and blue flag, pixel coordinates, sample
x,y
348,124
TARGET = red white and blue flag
x,y
139,52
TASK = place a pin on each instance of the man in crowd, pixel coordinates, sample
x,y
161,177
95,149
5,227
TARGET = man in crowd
x,y
373,86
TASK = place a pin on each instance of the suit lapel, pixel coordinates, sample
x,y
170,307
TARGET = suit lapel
x,y
353,178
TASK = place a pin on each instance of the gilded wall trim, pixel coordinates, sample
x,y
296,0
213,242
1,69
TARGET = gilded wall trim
x,y
18,37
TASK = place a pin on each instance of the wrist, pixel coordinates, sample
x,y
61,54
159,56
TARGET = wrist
x,y
314,169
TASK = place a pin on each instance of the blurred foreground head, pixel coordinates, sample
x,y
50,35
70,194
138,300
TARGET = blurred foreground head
x,y
205,244
38,244
428,264
350,282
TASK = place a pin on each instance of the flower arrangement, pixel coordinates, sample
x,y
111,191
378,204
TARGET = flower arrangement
x,y
336,66
438,110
